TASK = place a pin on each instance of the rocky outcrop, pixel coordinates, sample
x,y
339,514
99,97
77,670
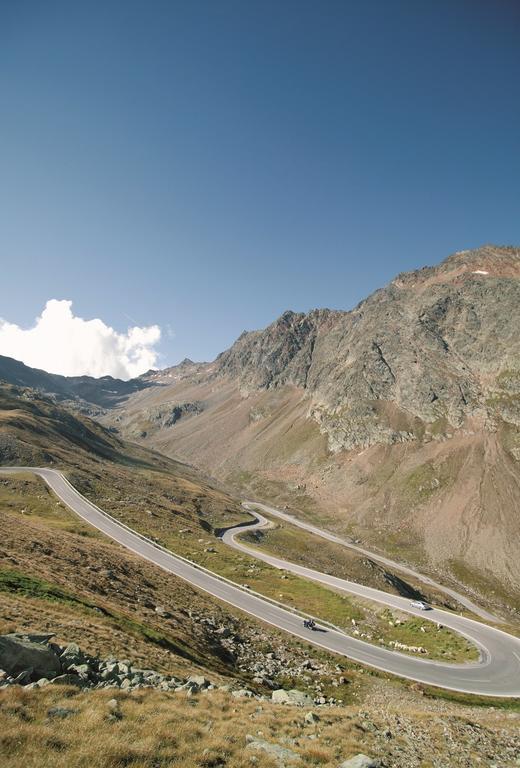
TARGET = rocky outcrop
x,y
168,414
34,661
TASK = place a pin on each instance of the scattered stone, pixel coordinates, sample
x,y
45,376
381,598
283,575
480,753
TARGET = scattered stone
x,y
82,670
115,712
360,761
297,698
61,712
242,693
282,755
66,680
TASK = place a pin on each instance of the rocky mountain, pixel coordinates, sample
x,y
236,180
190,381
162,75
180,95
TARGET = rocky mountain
x,y
397,421
437,344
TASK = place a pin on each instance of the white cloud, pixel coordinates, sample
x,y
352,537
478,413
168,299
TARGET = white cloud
x,y
59,342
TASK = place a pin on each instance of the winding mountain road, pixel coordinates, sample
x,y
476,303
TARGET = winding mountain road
x,y
497,673
462,599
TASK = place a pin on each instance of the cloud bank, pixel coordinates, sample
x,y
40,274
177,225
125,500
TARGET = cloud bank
x,y
59,342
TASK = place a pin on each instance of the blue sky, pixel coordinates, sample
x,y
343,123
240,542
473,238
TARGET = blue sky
x,y
205,165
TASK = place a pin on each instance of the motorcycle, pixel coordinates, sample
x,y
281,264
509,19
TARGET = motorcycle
x,y
309,624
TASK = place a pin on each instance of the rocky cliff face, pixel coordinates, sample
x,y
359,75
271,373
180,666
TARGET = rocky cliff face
x,y
439,345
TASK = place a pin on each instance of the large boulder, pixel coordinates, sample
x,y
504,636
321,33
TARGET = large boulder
x,y
22,652
297,698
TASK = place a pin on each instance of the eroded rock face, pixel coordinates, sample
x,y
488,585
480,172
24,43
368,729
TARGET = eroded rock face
x,y
438,344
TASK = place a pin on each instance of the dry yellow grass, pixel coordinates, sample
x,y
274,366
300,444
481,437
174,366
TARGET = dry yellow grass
x,y
159,729
153,729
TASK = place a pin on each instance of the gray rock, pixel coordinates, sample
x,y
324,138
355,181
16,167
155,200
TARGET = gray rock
x,y
223,632
311,718
188,686
82,670
61,712
39,638
19,653
114,710
70,655
360,761
66,680
242,693
294,697
24,677
281,755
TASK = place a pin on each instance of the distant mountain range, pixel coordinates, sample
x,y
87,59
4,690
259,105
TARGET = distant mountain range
x,y
397,422
103,392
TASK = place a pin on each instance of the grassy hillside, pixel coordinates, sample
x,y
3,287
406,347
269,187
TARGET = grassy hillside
x,y
169,502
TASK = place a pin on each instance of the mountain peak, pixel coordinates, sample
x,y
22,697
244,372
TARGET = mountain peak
x,y
496,261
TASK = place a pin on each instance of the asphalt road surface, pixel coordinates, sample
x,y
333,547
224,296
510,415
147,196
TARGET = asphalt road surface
x,y
497,673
